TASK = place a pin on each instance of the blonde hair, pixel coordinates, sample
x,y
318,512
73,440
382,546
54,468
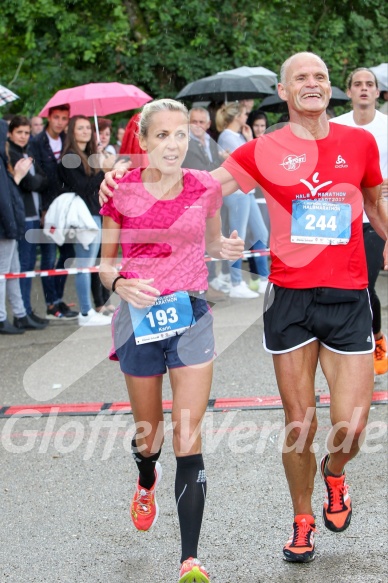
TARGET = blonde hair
x,y
226,114
155,107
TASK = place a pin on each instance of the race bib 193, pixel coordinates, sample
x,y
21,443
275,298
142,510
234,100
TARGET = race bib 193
x,y
169,316
320,222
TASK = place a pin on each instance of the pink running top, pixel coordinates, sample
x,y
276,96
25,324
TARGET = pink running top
x,y
165,239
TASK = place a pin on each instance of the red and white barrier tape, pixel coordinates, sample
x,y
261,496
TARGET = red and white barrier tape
x,y
75,270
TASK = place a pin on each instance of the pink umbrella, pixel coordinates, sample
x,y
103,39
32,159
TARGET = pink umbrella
x,y
98,99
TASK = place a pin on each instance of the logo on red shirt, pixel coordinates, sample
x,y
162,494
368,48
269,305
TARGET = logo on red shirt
x,y
292,162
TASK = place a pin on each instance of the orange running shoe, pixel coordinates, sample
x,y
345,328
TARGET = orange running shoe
x,y
193,572
144,507
337,507
300,546
380,356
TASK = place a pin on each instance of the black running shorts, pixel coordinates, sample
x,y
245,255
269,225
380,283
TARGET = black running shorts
x,y
340,319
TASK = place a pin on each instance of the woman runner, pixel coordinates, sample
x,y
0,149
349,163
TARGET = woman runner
x,y
163,217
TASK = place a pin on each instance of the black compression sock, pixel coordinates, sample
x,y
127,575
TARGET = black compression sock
x,y
190,495
146,466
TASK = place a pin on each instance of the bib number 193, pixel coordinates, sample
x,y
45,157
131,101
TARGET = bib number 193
x,y
170,315
163,317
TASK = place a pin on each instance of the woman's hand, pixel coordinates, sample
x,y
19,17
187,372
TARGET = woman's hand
x,y
224,154
108,183
232,247
21,168
247,132
138,292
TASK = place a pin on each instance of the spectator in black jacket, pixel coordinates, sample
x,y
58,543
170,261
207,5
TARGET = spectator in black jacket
x,y
79,176
46,149
12,225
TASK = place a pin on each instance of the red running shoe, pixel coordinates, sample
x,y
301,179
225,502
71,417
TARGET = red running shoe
x,y
380,356
144,507
193,572
337,507
300,546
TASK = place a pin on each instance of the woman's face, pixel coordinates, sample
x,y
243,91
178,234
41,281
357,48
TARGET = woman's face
x,y
120,134
167,140
242,117
105,137
20,135
82,132
259,126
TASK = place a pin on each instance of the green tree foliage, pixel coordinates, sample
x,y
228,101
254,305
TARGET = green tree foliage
x,y
160,45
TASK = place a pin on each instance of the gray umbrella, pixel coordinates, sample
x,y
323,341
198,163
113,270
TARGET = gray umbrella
x,y
253,72
224,88
381,72
274,104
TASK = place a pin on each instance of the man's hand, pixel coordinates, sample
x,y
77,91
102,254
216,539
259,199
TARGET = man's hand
x,y
110,183
232,248
21,168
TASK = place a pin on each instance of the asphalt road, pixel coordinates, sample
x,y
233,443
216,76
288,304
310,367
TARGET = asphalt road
x,y
66,482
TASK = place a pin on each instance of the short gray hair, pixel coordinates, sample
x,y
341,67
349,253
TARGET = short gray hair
x,y
284,67
153,107
202,110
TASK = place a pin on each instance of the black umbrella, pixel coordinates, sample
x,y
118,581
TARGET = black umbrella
x,y
274,104
224,88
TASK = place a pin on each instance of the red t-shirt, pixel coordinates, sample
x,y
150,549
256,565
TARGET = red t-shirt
x,y
165,239
311,187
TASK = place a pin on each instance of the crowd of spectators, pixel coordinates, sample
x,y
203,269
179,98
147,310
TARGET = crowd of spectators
x,y
42,159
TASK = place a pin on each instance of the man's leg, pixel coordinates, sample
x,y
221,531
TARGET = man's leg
x,y
295,374
48,251
374,247
350,380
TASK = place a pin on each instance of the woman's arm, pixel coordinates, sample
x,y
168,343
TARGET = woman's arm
x,y
219,246
138,292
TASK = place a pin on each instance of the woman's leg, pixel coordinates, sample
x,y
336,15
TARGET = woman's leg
x,y
66,252
86,258
257,238
237,206
145,395
191,390
13,285
27,257
9,263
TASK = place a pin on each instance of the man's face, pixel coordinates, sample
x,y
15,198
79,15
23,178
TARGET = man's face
x,y
199,123
58,121
307,87
248,104
363,91
36,125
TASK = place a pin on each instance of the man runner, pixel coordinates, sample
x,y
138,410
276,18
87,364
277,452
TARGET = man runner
x,y
362,88
316,179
